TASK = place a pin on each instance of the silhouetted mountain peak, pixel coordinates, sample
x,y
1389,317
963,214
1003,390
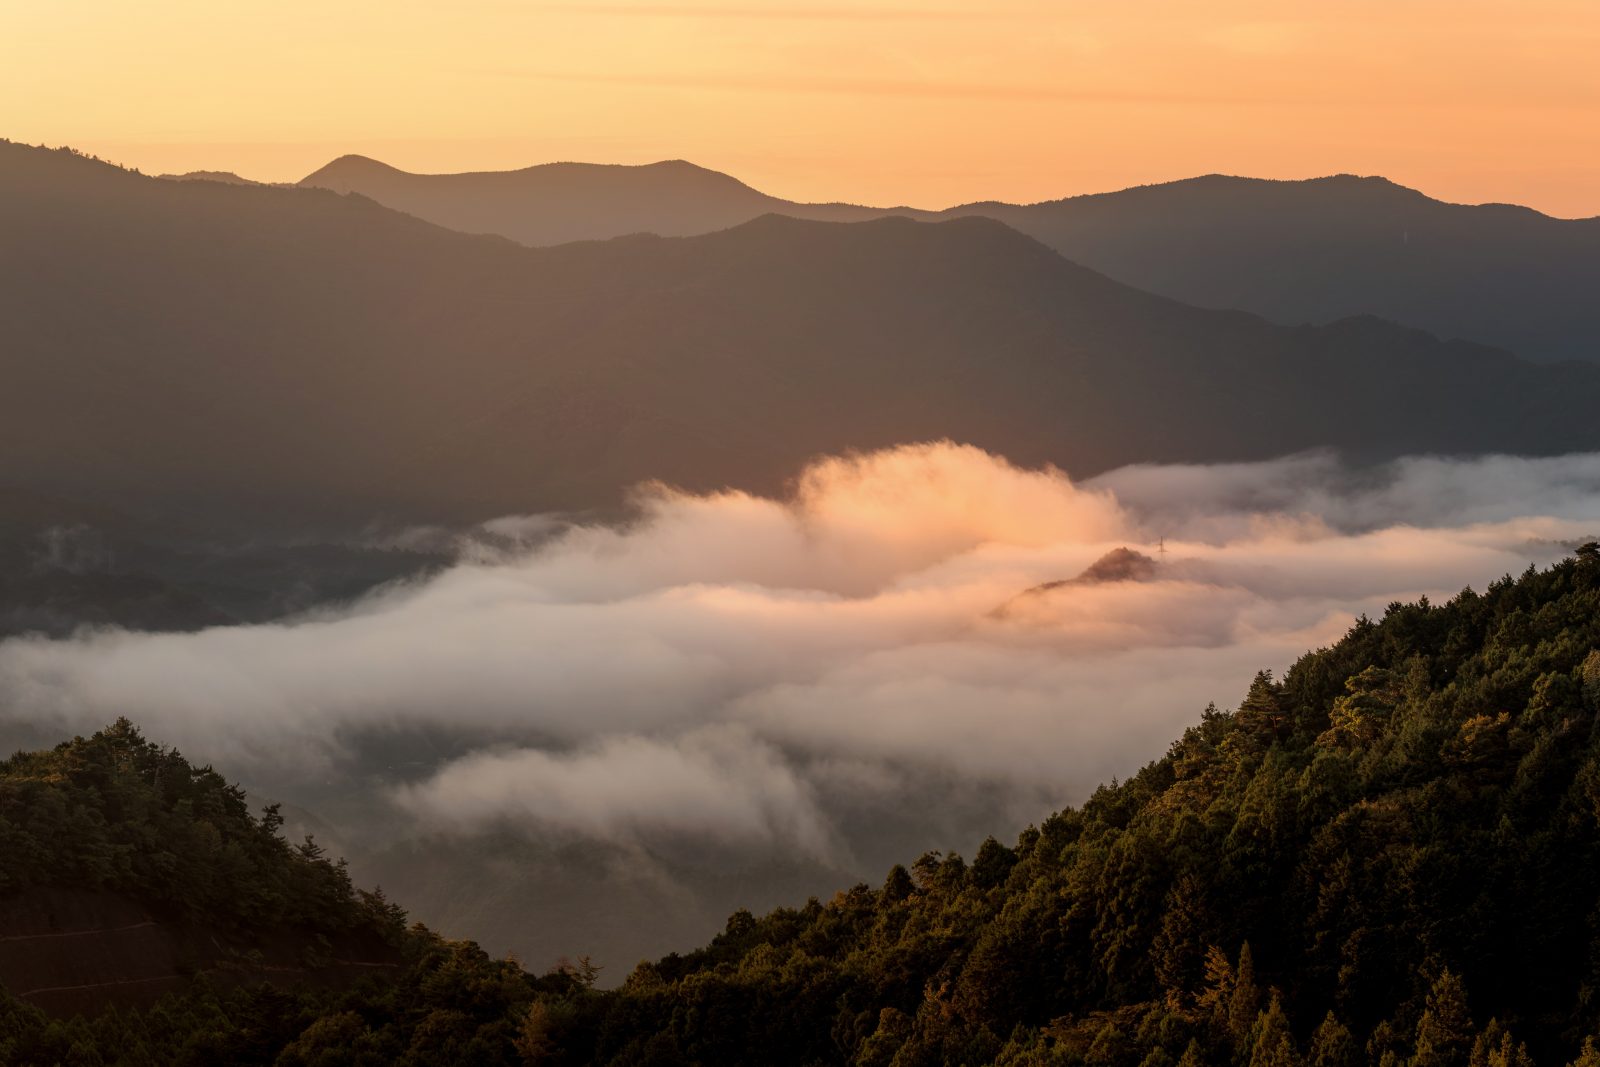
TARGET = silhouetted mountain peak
x,y
348,168
1228,188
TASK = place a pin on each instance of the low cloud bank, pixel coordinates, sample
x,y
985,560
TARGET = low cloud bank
x,y
756,673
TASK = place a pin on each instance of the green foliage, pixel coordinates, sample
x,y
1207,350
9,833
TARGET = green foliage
x,y
1398,835
1423,798
119,813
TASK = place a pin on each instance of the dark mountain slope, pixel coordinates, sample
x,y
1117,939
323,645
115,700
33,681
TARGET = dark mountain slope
x,y
559,202
1319,250
293,356
128,872
148,918
64,565
1292,251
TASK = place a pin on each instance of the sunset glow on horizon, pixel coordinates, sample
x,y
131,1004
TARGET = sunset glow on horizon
x,y
928,104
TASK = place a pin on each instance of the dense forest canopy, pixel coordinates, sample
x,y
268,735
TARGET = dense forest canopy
x,y
1386,856
116,811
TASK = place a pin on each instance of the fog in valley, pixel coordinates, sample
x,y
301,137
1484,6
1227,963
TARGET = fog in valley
x,y
600,739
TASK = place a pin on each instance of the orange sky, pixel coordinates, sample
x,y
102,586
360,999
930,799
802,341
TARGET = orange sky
x,y
886,102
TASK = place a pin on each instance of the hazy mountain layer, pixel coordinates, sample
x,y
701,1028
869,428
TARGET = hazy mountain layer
x,y
64,566
291,356
1293,251
558,202
1319,250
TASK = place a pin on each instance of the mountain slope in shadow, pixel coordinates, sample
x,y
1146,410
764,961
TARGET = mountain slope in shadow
x,y
1318,250
1293,251
291,356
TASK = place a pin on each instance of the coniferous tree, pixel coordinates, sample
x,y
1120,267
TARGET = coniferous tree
x,y
1274,1044
1245,1004
1444,1032
1495,1047
1588,1055
1332,1045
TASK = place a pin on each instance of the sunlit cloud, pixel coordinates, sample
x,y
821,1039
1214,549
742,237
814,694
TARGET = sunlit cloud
x,y
747,672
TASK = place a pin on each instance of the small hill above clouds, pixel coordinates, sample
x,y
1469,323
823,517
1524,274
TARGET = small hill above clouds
x,y
1119,565
1293,251
287,356
559,202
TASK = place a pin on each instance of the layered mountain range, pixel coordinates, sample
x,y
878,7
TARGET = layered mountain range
x,y
1292,251
295,357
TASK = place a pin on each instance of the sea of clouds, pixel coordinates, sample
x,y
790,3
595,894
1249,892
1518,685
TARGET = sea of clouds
x,y
751,673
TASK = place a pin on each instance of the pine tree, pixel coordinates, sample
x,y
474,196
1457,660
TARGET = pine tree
x,y
1274,1044
1588,1056
1590,674
1176,953
533,1041
1495,1047
1260,718
1333,1045
1218,990
1444,1033
1108,1047
1488,1041
992,863
1245,1003
898,885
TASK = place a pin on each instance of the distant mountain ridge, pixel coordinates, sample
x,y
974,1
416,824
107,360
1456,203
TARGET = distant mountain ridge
x,y
1327,248
288,356
554,203
225,176
1292,251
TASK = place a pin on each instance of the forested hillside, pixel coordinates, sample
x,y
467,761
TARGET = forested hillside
x,y
1388,856
120,813
126,872
115,827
